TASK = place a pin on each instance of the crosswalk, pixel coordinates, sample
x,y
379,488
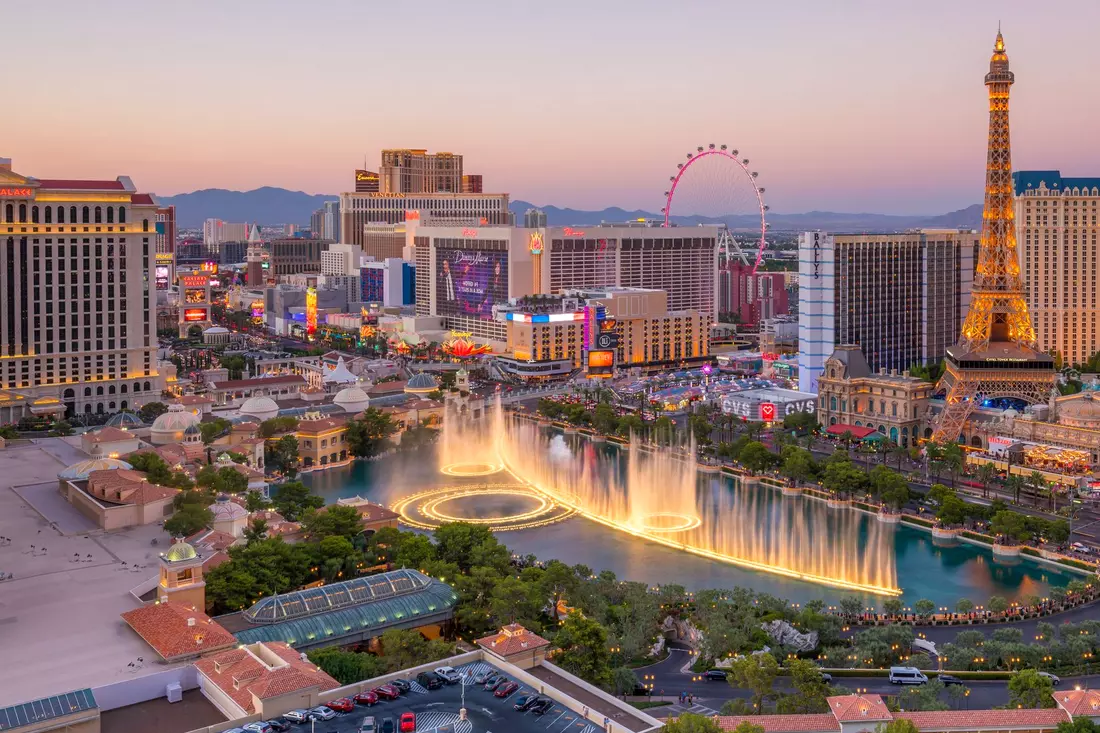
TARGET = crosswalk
x,y
442,722
472,670
418,688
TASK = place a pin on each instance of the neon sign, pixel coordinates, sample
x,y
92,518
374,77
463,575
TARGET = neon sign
x,y
534,243
365,176
412,215
17,192
311,311
190,315
770,357
469,232
194,281
571,232
767,411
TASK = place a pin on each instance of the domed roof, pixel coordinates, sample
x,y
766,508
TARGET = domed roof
x,y
422,382
125,420
352,399
1082,411
179,552
216,329
192,429
260,407
80,471
225,510
176,420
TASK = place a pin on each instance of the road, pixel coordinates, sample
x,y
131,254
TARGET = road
x,y
666,677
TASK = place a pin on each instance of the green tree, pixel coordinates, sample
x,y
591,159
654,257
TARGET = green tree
x,y
1028,689
1010,525
584,649
624,680
282,455
924,607
236,364
276,425
469,545
701,428
150,411
187,520
692,723
337,520
213,429
254,501
810,689
557,581
843,478
369,435
997,604
756,457
756,673
404,648
801,422
1080,724
664,430
292,499
604,419
414,552
255,531
892,605
798,463
964,605
254,571
924,697
514,600
897,725
347,667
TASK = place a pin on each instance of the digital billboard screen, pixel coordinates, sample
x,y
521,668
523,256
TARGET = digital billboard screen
x,y
601,363
470,281
161,277
194,314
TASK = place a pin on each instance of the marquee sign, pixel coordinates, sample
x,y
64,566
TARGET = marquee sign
x,y
17,193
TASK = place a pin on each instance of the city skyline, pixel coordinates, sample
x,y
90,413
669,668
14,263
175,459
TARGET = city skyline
x,y
864,108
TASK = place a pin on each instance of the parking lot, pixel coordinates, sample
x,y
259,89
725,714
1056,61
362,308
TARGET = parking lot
x,y
437,710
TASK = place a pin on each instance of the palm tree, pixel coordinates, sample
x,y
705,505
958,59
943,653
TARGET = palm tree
x,y
1038,482
986,474
1015,484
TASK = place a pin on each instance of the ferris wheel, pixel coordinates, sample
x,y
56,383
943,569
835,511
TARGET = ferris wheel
x,y
717,183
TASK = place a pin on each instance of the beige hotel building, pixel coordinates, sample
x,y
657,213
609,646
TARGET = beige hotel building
x,y
1056,237
76,322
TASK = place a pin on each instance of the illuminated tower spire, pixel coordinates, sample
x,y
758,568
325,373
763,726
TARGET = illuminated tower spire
x,y
996,355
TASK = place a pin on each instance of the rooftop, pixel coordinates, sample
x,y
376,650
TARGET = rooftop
x,y
48,708
1032,180
108,435
512,639
176,631
261,670
258,382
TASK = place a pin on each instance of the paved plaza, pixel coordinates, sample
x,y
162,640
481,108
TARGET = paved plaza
x,y
59,616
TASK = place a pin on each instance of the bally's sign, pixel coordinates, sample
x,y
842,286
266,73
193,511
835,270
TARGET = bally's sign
x,y
817,256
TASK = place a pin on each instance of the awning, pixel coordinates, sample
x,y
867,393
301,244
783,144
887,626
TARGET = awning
x,y
858,432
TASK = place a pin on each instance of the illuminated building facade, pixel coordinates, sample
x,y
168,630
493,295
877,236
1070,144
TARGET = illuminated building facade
x,y
357,210
1056,233
76,270
366,181
996,355
900,297
418,171
216,231
750,297
292,255
195,302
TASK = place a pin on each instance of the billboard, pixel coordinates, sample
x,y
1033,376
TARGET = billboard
x,y
470,281
257,309
161,277
194,295
601,363
194,314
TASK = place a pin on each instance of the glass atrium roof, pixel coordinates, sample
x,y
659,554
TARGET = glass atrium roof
x,y
48,708
311,601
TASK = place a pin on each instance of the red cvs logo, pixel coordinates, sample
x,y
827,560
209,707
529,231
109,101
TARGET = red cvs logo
x,y
767,412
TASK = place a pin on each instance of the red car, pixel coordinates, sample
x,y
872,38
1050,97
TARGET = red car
x,y
387,692
365,698
342,705
506,689
408,723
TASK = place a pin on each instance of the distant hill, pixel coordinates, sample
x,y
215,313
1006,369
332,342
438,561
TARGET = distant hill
x,y
272,206
828,220
267,206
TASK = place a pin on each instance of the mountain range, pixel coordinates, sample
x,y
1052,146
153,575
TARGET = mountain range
x,y
272,206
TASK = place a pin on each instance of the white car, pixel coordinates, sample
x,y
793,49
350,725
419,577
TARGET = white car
x,y
297,716
321,712
1054,679
450,674
258,727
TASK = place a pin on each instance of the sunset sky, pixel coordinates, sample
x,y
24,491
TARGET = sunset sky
x,y
845,106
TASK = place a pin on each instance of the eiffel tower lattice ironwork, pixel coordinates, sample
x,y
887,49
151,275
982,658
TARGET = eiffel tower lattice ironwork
x,y
996,355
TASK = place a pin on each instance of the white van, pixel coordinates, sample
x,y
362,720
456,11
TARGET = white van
x,y
907,676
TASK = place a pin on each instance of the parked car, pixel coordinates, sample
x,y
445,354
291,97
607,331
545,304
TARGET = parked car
x,y
493,683
386,692
506,689
907,676
716,674
368,725
430,680
279,725
296,716
449,674
388,726
408,723
341,705
260,726
366,697
1054,679
235,730
322,712
542,706
403,686
524,702
949,679
483,677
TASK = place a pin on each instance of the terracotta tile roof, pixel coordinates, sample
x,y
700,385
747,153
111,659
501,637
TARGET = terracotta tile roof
x,y
316,427
512,639
387,387
986,719
142,199
268,515
782,723
213,561
109,435
73,185
211,539
1079,702
368,510
240,673
246,427
847,708
165,627
258,382
125,486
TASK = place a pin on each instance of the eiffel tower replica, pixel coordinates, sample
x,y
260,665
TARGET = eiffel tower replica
x,y
996,355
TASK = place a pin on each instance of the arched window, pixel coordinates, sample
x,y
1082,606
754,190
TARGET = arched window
x,y
22,213
49,215
69,394
858,424
976,442
9,213
144,225
87,391
137,386
832,421
124,404
894,408
882,429
111,405
99,391
72,215
99,215
99,408
110,215
832,403
844,405
122,389
34,215
111,389
894,434
146,386
84,219
87,409
60,214
882,407
122,215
